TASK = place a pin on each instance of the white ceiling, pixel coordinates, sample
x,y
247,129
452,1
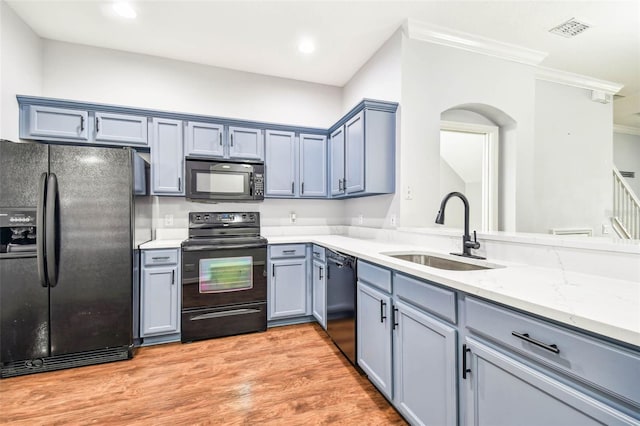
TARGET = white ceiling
x,y
262,36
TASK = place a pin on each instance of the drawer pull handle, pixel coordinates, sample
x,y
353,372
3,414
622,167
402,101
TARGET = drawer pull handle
x,y
465,369
222,314
288,251
525,336
160,257
382,311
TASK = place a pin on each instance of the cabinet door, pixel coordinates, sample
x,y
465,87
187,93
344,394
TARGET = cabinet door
x,y
503,391
374,337
58,123
204,139
125,129
288,289
336,148
354,153
167,158
313,166
424,368
245,143
280,164
160,305
319,290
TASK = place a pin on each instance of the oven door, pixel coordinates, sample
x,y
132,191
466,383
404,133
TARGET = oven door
x,y
219,181
213,277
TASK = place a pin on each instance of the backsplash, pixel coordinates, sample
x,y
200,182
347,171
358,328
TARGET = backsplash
x,y
173,212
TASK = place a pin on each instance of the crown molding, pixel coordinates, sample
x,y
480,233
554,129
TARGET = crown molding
x,y
577,80
627,130
460,40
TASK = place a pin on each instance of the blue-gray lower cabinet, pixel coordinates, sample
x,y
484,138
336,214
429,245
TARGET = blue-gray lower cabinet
x,y
160,296
204,139
280,164
167,157
373,347
504,391
55,123
319,291
246,143
121,129
424,368
288,282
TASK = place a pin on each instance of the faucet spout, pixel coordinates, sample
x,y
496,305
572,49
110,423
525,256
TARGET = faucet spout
x,y
467,244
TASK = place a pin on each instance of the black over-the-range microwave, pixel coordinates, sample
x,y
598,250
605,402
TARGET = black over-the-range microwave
x,y
224,180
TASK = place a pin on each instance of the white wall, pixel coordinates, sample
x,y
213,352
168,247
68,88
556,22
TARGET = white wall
x,y
451,181
573,158
626,156
109,76
379,78
437,78
20,68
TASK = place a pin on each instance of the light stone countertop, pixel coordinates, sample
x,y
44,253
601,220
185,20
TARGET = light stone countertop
x,y
161,244
605,306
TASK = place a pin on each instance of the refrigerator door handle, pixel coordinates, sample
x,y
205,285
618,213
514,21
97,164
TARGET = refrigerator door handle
x,y
51,230
40,231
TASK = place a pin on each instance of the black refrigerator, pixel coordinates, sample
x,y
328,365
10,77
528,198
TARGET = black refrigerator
x,y
71,218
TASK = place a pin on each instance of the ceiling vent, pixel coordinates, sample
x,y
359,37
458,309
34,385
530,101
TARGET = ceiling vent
x,y
571,28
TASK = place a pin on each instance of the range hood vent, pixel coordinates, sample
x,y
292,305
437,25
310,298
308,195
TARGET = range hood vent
x,y
569,29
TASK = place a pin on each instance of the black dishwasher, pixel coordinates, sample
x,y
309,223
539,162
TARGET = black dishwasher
x,y
341,302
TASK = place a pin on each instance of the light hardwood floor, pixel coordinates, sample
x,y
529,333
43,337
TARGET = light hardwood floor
x,y
289,375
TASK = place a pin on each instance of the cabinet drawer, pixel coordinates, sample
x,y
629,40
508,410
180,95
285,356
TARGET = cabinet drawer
x,y
287,250
318,253
433,299
613,369
159,257
375,276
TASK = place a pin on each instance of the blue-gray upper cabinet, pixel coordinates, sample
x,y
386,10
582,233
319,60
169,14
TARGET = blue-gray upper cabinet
x,y
354,154
425,376
167,157
501,390
280,164
246,143
362,152
52,123
337,162
121,129
313,166
204,139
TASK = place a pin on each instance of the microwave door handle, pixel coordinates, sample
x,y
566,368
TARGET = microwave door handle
x,y
251,184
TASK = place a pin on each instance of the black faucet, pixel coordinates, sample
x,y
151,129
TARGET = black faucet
x,y
467,244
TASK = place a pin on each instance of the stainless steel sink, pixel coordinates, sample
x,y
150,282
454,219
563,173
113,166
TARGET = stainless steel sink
x,y
439,262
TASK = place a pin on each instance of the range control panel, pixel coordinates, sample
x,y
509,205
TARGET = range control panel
x,y
226,218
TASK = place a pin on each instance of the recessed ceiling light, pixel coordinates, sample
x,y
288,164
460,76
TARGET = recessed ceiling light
x,y
125,10
306,46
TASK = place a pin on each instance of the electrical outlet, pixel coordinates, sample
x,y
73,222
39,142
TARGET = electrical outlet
x,y
408,195
393,219
360,219
292,217
606,229
168,220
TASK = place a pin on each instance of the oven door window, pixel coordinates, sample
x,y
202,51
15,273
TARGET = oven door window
x,y
221,183
226,274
